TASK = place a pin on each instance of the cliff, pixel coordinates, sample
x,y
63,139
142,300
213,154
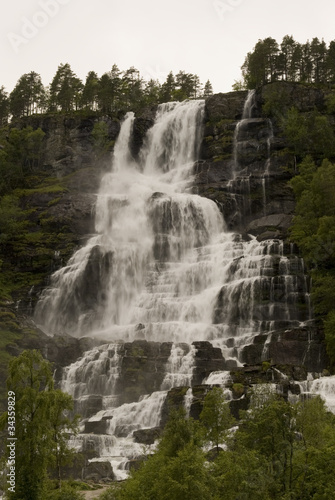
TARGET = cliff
x,y
244,167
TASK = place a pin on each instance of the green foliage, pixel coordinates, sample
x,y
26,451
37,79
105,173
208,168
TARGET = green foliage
x,y
238,389
4,106
65,90
28,96
329,325
313,225
40,423
115,92
22,153
238,85
276,101
66,492
309,133
12,220
259,66
330,103
313,230
216,416
280,451
100,137
311,62
242,474
176,471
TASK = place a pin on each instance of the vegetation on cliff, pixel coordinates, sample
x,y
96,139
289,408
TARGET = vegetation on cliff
x,y
310,62
114,92
314,231
280,450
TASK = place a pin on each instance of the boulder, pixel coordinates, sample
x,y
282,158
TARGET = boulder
x,y
98,471
275,224
229,105
147,436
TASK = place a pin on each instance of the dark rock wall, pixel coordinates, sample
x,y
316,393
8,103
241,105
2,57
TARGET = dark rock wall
x,y
258,202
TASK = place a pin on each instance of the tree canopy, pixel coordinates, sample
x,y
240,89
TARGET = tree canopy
x,y
313,230
279,451
41,424
310,62
115,91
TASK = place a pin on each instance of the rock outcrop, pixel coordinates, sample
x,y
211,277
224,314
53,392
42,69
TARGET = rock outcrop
x,y
243,168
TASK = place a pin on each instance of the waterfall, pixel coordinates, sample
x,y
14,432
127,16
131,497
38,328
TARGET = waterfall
x,y
163,268
251,143
179,370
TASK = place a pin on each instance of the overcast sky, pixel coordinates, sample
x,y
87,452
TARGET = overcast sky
x,y
209,38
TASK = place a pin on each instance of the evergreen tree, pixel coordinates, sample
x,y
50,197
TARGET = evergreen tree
x,y
311,62
168,88
306,64
65,90
331,62
208,89
4,106
151,93
90,91
318,59
186,86
110,90
260,65
132,89
287,67
27,96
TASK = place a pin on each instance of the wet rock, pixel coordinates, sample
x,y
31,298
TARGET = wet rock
x,y
147,436
96,427
276,223
89,406
97,471
207,359
175,400
142,368
229,105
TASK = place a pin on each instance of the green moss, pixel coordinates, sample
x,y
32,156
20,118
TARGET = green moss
x,y
266,366
54,201
137,352
238,390
53,187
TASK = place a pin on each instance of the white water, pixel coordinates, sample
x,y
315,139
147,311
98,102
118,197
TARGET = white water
x,y
162,268
117,445
179,369
320,386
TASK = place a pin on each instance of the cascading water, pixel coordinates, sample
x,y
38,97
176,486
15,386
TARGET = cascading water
x,y
251,143
163,268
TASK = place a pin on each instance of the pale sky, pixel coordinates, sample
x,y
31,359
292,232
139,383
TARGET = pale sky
x,y
209,38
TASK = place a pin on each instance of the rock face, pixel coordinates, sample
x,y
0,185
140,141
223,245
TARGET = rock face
x,y
70,145
143,369
244,167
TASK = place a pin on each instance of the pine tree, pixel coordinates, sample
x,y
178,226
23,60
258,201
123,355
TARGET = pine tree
x,y
4,106
208,89
27,96
90,91
65,90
